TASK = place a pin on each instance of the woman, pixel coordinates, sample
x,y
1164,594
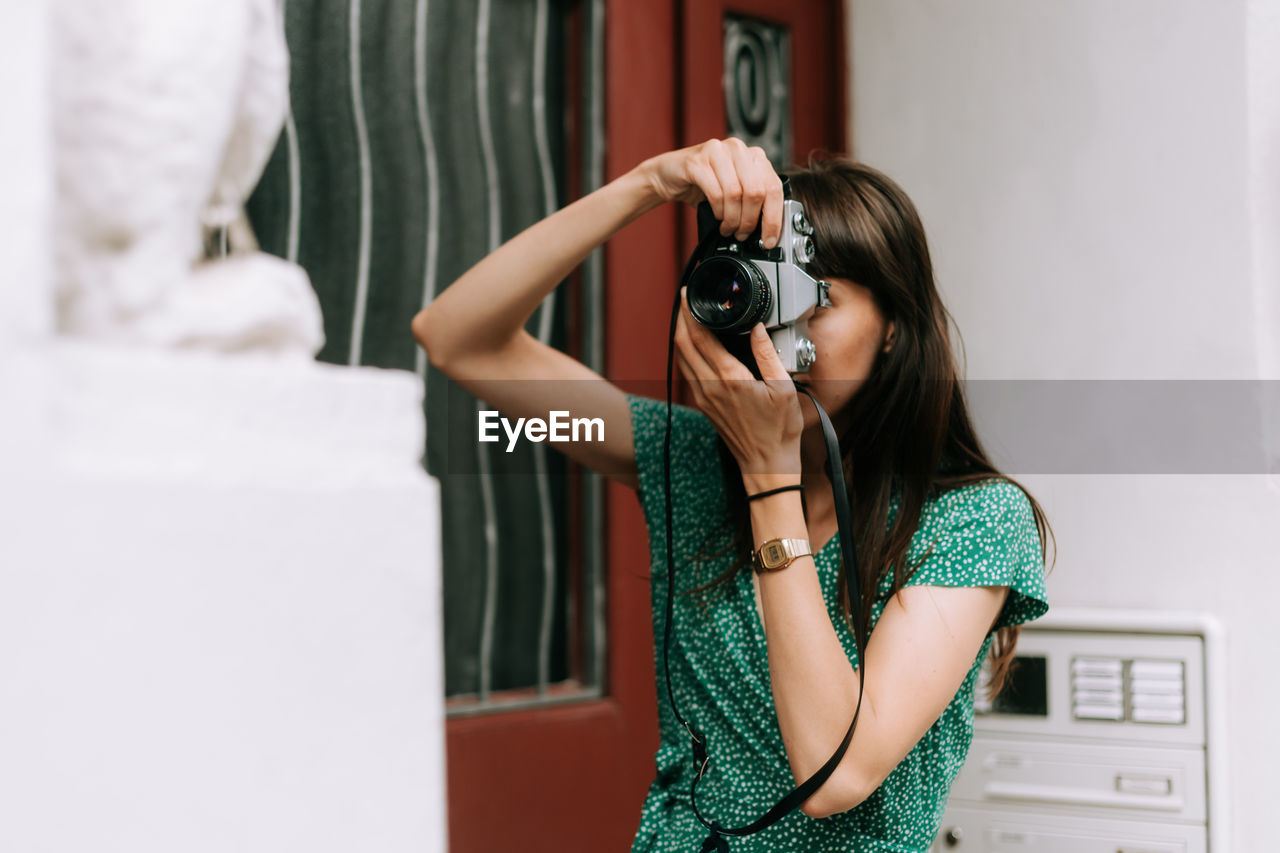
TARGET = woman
x,y
765,664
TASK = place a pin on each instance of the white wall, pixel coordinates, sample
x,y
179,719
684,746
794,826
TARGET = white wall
x,y
1100,185
26,175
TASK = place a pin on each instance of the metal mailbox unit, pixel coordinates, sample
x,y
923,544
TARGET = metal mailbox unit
x,y
1109,738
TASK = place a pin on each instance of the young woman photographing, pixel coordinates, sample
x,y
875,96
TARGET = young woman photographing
x,y
951,553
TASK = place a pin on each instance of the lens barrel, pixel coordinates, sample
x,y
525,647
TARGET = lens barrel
x,y
728,295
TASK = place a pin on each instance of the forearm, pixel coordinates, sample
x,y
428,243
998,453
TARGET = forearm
x,y
485,308
815,689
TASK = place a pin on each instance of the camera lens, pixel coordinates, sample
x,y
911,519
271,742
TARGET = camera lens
x,y
728,295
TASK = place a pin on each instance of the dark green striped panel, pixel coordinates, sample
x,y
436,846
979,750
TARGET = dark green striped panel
x,y
401,204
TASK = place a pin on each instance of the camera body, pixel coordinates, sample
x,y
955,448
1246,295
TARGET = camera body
x,y
739,283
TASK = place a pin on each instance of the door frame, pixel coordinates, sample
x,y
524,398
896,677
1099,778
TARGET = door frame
x,y
580,782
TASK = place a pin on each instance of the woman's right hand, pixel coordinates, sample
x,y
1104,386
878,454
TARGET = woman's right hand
x,y
738,181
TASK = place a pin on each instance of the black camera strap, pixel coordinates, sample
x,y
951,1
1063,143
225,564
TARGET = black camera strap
x,y
715,842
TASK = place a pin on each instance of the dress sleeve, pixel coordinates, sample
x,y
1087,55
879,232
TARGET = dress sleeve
x,y
983,535
696,469
692,436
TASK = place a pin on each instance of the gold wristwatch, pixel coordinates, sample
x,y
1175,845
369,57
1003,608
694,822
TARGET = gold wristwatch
x,y
777,554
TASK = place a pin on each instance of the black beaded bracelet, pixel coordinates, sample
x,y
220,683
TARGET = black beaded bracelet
x,y
797,487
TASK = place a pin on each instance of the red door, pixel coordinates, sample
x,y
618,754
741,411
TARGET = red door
x,y
573,777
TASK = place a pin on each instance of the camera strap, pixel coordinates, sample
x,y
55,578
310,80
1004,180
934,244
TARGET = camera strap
x,y
715,842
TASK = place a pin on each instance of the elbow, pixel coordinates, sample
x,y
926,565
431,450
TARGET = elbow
x,y
837,795
430,342
449,346
813,809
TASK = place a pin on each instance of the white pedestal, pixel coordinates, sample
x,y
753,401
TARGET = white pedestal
x,y
219,608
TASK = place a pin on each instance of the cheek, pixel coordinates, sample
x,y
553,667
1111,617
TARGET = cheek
x,y
846,350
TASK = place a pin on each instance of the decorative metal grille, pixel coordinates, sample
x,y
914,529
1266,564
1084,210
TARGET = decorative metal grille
x,y
421,135
757,85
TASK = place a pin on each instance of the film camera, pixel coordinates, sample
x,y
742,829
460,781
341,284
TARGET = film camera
x,y
738,284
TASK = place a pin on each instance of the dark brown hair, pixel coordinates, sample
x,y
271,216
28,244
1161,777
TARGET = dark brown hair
x,y
909,428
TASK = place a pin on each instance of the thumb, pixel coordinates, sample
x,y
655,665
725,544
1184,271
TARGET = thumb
x,y
766,356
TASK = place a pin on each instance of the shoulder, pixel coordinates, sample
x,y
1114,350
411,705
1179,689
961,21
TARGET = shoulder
x,y
697,473
992,503
983,534
691,431
989,494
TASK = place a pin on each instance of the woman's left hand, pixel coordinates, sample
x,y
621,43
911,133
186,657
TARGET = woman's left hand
x,y
760,420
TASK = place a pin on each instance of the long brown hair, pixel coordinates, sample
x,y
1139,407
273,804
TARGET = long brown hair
x,y
910,430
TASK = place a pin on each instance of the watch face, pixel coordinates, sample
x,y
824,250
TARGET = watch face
x,y
773,554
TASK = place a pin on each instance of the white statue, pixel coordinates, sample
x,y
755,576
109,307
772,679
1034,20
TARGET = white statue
x,y
164,116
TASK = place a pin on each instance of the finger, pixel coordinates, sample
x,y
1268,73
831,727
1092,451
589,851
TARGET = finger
x,y
696,387
754,175
686,371
721,162
767,360
719,361
702,371
699,172
771,218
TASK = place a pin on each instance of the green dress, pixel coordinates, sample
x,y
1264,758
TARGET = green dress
x,y
985,536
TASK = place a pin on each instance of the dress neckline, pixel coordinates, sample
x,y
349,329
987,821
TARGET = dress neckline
x,y
835,537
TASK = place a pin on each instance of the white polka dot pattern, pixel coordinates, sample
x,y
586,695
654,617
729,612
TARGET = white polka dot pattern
x,y
982,535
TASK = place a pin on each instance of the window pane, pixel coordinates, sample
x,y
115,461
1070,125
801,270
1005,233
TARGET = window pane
x,y
422,135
